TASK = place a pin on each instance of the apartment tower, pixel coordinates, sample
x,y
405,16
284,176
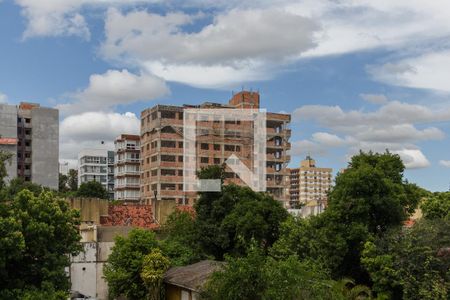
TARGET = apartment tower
x,y
309,187
162,148
127,168
97,165
31,133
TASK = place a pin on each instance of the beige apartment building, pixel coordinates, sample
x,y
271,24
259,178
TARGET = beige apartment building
x,y
162,148
309,187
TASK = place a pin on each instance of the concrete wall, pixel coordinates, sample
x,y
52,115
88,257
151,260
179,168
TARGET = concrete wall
x,y
45,147
86,270
8,129
90,208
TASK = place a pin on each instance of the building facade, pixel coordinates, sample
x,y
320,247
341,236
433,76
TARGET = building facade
x,y
309,187
127,168
97,165
31,133
162,148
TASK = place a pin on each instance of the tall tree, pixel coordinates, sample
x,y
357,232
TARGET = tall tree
x,y
62,184
92,189
411,263
37,235
5,158
125,264
368,199
72,180
226,221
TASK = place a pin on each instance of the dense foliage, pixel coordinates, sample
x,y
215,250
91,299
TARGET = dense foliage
x,y
36,235
228,220
92,189
126,264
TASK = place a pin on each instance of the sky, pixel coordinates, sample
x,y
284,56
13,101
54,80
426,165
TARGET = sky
x,y
355,75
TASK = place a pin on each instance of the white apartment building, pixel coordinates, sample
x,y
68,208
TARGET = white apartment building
x,y
127,168
97,165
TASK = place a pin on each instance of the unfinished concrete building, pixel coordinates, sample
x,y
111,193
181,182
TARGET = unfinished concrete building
x,y
31,133
309,187
162,148
126,168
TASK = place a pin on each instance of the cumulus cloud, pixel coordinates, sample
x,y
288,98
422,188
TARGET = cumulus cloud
x,y
237,41
430,70
89,129
3,98
392,126
374,98
115,87
445,163
238,45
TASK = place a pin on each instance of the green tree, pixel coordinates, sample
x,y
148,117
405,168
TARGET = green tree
x,y
72,180
17,185
409,263
154,267
125,264
5,157
180,242
37,235
368,199
257,276
92,189
436,206
62,183
226,221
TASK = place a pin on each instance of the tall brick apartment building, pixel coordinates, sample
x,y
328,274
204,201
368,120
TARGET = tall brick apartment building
x,y
162,148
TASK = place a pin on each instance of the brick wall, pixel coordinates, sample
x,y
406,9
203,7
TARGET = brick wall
x,y
135,215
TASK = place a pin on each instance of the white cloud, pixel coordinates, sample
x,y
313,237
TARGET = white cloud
x,y
392,126
238,45
88,130
445,163
375,98
112,88
3,98
428,71
252,40
413,158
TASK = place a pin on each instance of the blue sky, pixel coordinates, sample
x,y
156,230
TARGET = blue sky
x,y
369,75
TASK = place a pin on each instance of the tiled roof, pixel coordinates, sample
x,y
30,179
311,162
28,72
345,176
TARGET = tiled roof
x,y
8,141
135,215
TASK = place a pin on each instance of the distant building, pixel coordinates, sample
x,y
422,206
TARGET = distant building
x,y
127,168
31,133
162,148
309,187
97,165
64,168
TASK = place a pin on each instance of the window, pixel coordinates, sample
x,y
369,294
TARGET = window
x,y
204,160
27,120
168,144
180,187
229,147
170,158
168,186
217,147
168,114
180,116
168,172
216,161
154,172
154,158
180,158
204,146
154,115
180,144
180,172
